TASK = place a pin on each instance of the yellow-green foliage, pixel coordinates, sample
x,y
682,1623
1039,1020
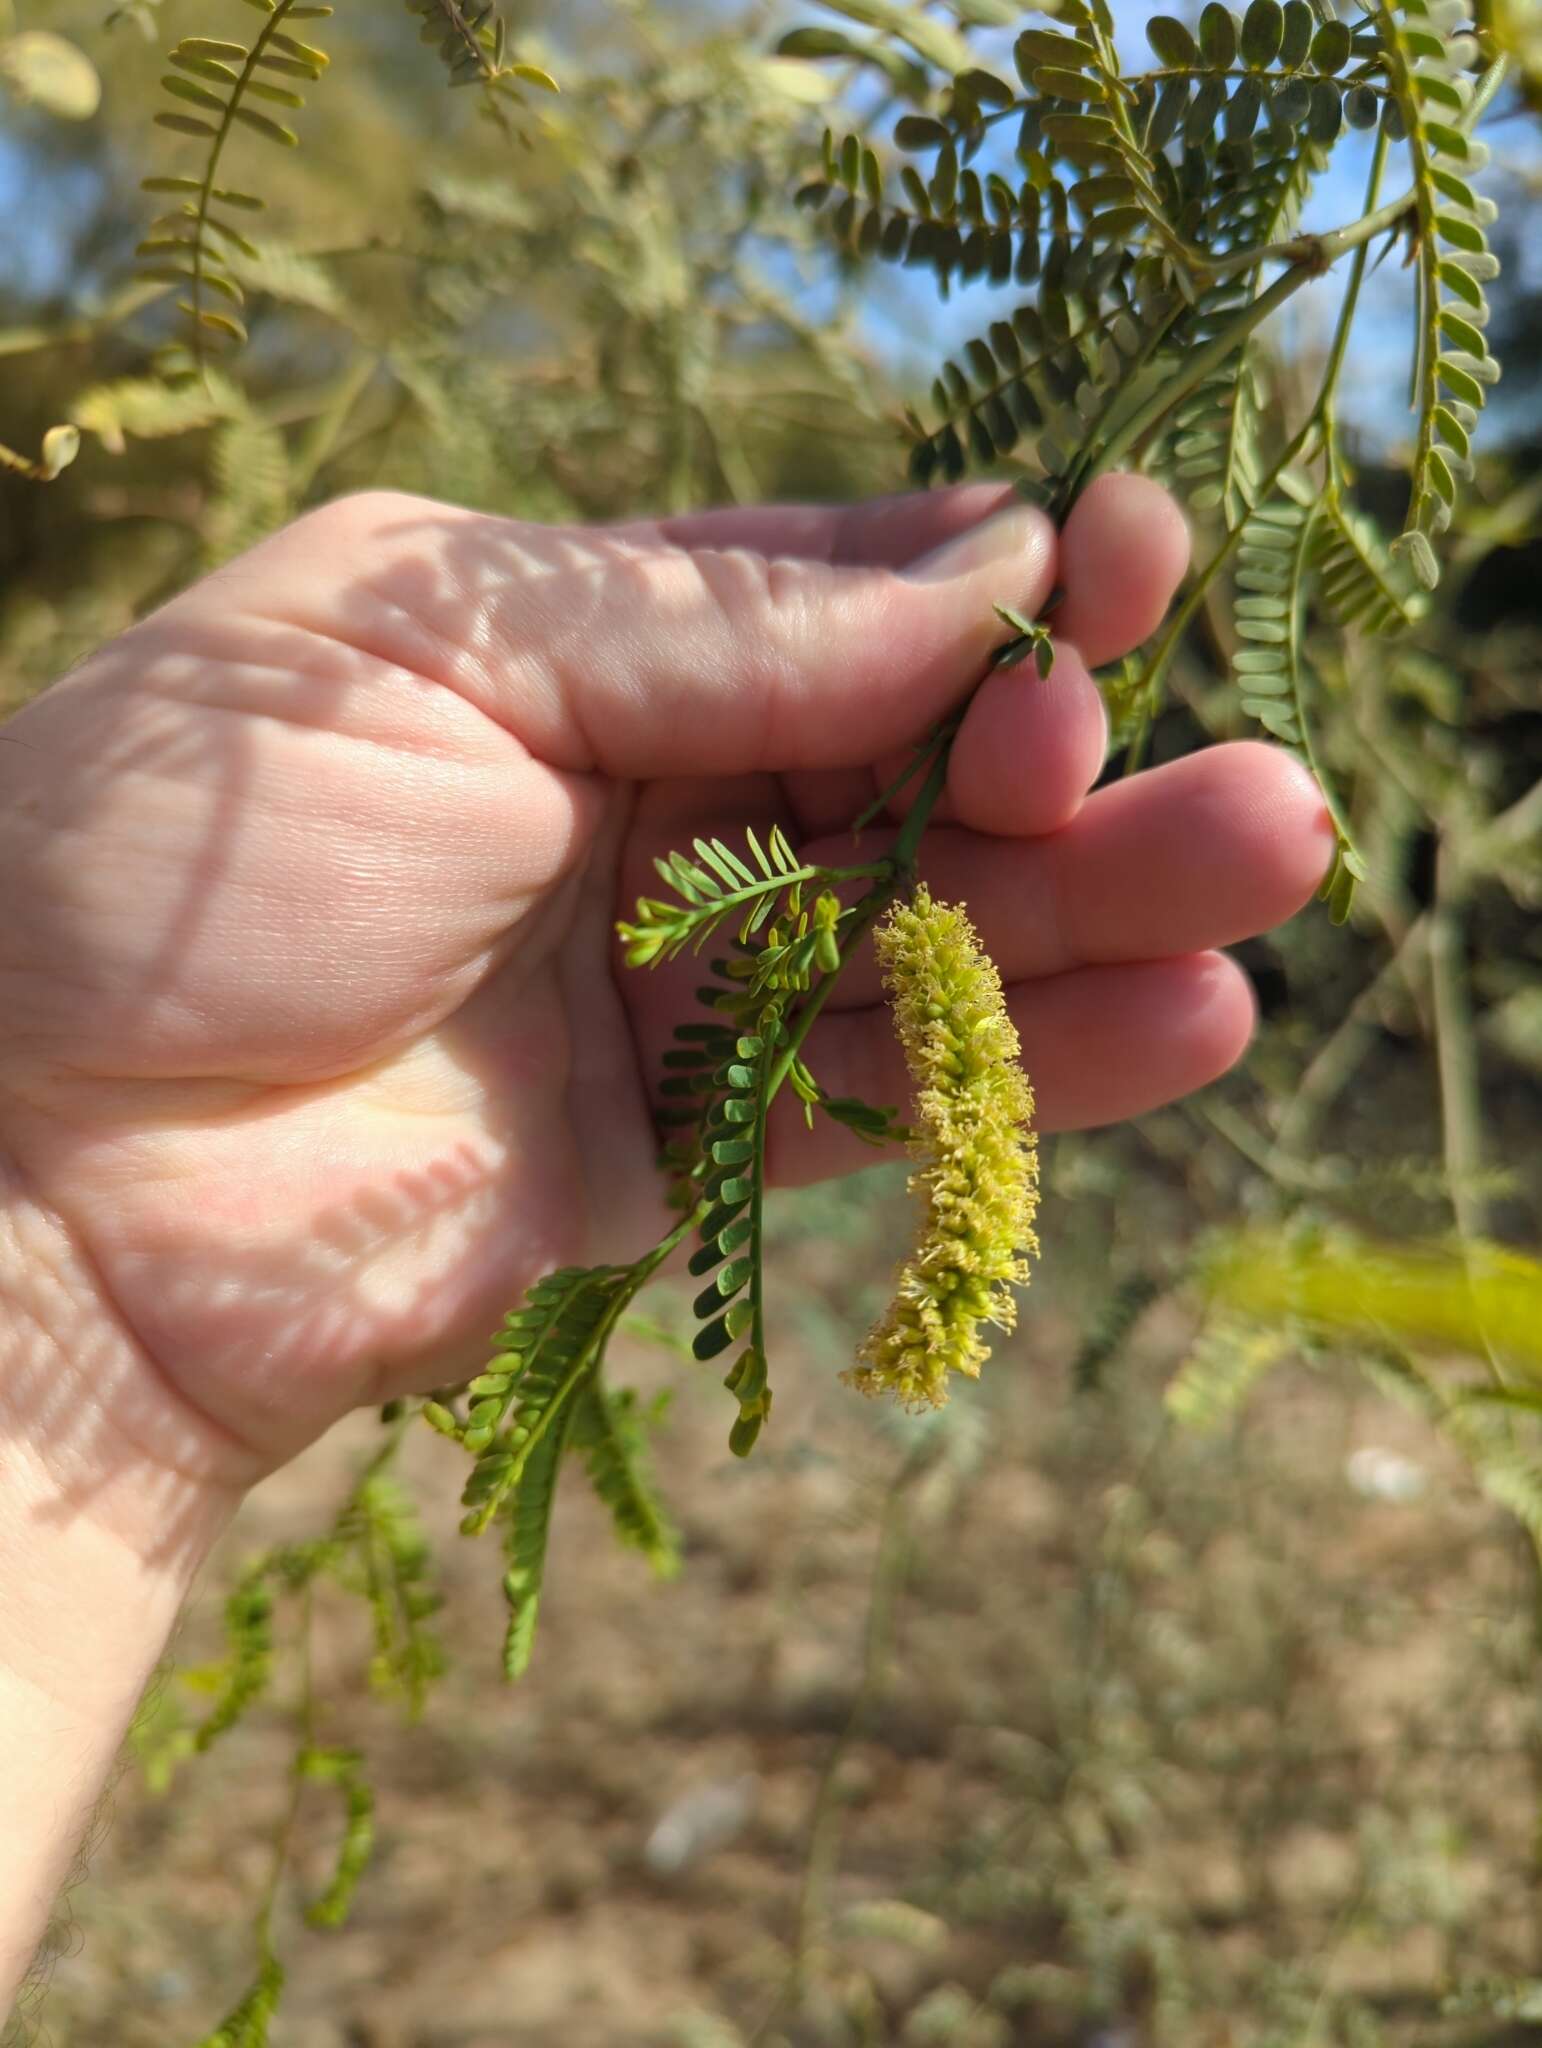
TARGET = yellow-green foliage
x,y
1483,1301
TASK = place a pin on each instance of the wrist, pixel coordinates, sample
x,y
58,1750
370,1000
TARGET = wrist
x,y
105,1517
91,1433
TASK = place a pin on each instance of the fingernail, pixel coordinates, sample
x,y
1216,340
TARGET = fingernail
x,y
1016,540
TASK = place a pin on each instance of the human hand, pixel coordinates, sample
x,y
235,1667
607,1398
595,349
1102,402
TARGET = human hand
x,y
314,1039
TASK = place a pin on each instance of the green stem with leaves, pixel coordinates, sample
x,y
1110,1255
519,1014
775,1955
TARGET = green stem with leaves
x,y
270,28
1318,420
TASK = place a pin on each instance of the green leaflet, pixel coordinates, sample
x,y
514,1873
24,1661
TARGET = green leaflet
x,y
1426,70
526,1530
192,242
342,1768
1213,453
246,2025
1359,583
471,41
731,1172
393,1562
1280,548
608,1433
248,1668
547,1348
713,886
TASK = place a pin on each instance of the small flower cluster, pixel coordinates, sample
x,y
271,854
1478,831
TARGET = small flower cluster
x,y
977,1164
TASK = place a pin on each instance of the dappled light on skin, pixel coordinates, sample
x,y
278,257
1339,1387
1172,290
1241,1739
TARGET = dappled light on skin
x,y
90,1432
298,1209
391,1219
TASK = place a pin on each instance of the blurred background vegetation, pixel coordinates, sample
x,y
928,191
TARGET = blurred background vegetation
x,y
1140,1701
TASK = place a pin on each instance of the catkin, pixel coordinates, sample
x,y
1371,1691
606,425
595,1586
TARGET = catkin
x,y
976,1160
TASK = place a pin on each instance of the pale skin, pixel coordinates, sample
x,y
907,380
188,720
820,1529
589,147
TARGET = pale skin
x,y
314,1045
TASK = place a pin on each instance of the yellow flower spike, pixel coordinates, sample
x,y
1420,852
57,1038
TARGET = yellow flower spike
x,y
977,1166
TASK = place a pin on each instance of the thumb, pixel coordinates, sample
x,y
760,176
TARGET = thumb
x,y
623,651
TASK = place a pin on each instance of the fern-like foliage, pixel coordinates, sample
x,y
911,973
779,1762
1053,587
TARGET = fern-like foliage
x,y
1427,49
731,1307
718,886
609,1433
721,1075
343,1770
1049,373
1148,210
391,1562
1225,1364
1112,1326
1359,583
247,2024
471,39
247,1671
1246,197
541,1391
545,1350
215,82
146,409
1282,544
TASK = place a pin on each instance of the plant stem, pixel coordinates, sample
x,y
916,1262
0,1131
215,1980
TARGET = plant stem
x,y
1352,288
903,852
897,870
867,910
1196,368
1178,625
1455,1052
1321,251
254,57
1320,415
1308,257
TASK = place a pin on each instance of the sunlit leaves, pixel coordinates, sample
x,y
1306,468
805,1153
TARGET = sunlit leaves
x,y
190,245
471,39
1292,538
1172,42
1359,584
713,886
609,1434
1426,49
729,1255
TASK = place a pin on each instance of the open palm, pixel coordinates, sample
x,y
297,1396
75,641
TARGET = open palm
x,y
313,1032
